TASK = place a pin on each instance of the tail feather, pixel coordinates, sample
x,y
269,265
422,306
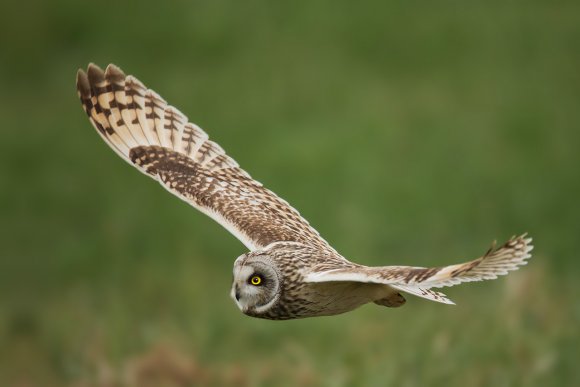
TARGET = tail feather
x,y
424,293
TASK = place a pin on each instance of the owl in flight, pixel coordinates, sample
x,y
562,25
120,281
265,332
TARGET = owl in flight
x,y
290,271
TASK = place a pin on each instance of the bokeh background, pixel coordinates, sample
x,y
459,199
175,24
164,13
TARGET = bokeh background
x,y
407,133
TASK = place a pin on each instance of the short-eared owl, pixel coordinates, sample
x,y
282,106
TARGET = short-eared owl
x,y
290,271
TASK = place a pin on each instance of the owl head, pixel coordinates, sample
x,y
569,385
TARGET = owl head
x,y
257,283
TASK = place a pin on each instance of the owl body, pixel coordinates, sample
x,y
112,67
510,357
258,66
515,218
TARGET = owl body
x,y
284,293
290,271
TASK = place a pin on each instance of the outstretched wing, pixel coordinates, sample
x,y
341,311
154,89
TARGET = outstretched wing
x,y
158,140
419,280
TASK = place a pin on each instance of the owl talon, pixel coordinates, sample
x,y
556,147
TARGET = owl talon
x,y
393,301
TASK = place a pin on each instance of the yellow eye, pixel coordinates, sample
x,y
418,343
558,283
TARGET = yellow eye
x,y
256,280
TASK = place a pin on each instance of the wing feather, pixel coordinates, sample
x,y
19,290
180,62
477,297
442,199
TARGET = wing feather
x,y
155,137
418,280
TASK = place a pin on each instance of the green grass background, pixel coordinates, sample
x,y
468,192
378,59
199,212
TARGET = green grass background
x,y
406,132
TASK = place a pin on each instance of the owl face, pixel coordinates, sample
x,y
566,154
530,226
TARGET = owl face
x,y
256,284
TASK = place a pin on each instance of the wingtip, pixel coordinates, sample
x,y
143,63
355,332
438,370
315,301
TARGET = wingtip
x,y
524,237
83,85
527,241
95,74
114,73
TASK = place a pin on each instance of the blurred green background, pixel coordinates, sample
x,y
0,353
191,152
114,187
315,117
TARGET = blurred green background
x,y
407,133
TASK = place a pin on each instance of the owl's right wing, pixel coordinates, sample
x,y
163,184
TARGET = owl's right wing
x,y
419,280
159,141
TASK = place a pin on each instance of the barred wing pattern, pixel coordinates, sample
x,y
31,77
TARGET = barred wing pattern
x,y
419,280
158,139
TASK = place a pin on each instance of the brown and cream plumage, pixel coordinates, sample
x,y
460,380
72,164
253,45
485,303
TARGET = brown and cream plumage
x,y
290,271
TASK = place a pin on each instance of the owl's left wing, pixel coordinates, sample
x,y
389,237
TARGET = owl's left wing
x,y
157,139
419,280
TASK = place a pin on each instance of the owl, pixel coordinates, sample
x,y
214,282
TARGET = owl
x,y
290,271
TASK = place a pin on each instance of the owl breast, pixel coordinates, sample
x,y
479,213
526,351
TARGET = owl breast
x,y
322,299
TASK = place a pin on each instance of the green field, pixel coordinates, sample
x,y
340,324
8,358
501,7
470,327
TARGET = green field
x,y
405,132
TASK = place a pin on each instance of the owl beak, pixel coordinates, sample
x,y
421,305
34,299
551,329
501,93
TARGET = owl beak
x,y
237,293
